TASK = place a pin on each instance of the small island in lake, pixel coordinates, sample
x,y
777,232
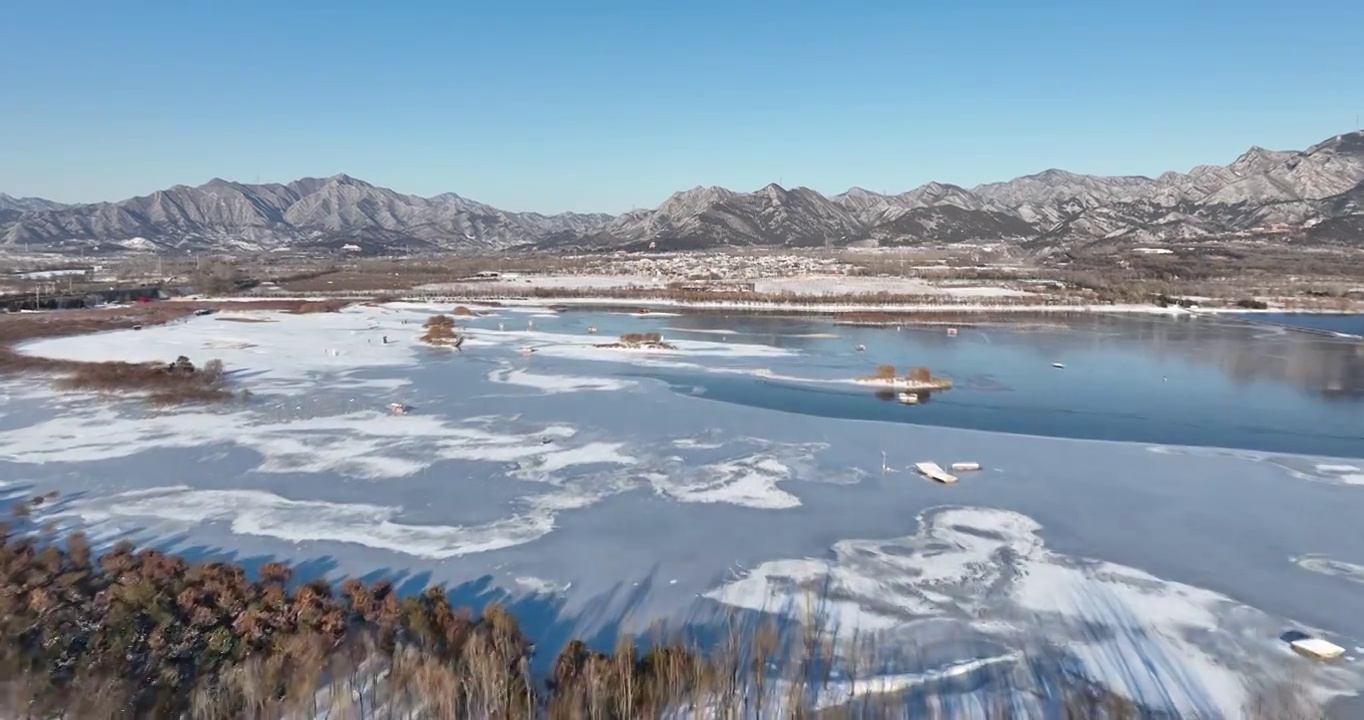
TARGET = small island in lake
x,y
640,341
917,379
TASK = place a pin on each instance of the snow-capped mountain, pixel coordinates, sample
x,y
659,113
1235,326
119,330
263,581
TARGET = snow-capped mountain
x,y
1312,195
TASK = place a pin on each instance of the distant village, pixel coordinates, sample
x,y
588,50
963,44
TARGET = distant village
x,y
714,266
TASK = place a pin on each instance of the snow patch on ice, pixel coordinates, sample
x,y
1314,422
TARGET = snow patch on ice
x,y
748,481
1335,568
369,444
556,383
1162,643
259,513
692,443
1301,468
282,356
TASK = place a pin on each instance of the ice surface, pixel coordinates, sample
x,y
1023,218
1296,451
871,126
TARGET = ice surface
x,y
249,512
556,383
1167,572
1163,643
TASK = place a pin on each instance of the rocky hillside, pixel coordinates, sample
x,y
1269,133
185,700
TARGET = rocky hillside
x,y
1314,195
308,213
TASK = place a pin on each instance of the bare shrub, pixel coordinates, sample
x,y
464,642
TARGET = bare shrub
x,y
440,330
319,306
173,383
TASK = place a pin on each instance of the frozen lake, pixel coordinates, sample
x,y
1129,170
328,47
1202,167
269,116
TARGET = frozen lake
x,y
1154,516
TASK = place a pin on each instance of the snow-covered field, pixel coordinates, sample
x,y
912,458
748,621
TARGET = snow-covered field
x,y
599,490
815,285
808,285
560,282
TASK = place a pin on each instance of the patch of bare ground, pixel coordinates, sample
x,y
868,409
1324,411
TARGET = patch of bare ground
x,y
242,319
161,383
135,633
640,341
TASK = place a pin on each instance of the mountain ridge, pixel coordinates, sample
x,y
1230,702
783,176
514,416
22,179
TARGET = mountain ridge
x,y
1311,195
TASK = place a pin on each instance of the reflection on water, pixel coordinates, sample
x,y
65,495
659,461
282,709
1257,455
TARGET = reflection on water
x,y
920,398
1180,380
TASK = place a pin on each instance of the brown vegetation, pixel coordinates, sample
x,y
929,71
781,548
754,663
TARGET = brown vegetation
x,y
154,381
440,330
140,633
318,306
633,341
461,311
918,377
176,383
242,319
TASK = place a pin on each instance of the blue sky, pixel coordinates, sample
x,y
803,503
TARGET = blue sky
x,y
602,106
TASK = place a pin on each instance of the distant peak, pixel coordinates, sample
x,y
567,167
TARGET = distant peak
x,y
344,179
1351,143
702,191
1055,174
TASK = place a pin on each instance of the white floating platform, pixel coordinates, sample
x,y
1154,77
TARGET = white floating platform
x,y
1318,648
965,466
933,471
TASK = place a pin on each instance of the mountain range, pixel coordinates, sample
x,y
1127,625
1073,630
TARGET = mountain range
x,y
1314,195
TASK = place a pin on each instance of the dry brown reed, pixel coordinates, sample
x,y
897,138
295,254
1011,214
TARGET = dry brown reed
x,y
917,376
140,633
439,330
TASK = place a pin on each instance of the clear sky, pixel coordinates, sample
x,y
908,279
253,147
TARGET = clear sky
x,y
601,106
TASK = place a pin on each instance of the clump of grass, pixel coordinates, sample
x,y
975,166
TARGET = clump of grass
x,y
634,341
918,377
319,306
439,330
174,383
461,311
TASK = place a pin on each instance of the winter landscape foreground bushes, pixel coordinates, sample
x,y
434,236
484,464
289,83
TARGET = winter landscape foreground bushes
x,y
140,633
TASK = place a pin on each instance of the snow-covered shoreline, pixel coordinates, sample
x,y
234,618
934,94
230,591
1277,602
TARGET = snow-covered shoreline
x,y
605,301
